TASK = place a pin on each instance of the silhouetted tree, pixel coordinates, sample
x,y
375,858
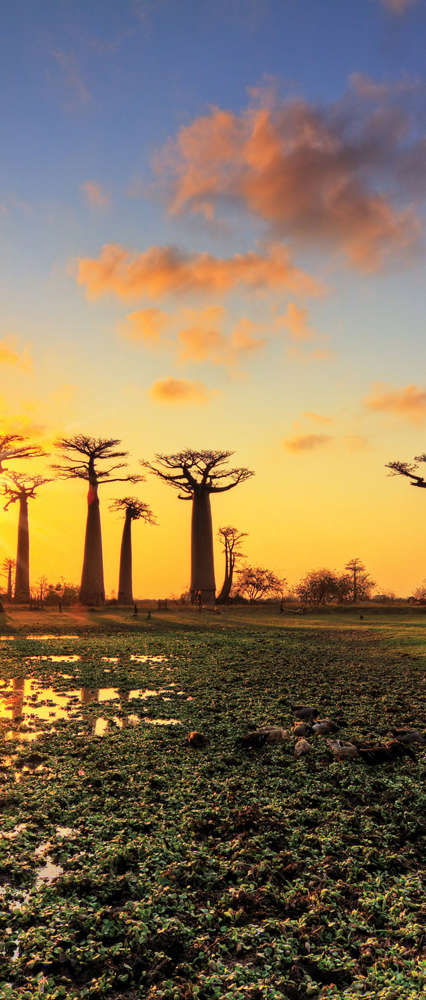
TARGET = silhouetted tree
x,y
256,583
409,469
8,568
362,584
134,510
11,448
230,539
197,474
322,586
81,457
21,488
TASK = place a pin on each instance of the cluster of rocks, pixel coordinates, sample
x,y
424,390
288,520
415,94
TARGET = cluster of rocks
x,y
307,723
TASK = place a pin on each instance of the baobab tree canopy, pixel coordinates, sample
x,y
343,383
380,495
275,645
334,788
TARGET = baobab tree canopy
x,y
409,469
195,475
11,448
21,488
81,457
134,510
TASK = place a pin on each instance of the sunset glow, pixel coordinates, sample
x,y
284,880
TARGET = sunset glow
x,y
218,253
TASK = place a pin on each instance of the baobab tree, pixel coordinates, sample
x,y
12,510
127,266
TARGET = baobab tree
x,y
8,568
230,539
11,448
409,469
361,582
21,488
134,510
196,475
81,457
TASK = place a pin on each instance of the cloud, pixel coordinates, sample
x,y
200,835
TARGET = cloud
x,y
181,391
95,194
10,356
301,334
318,418
356,442
408,402
307,442
325,175
72,76
296,320
145,326
397,6
161,271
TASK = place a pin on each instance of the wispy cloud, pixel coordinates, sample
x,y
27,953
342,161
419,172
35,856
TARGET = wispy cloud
x,y
72,76
305,343
318,418
145,326
325,175
408,402
10,355
397,6
180,391
161,271
307,442
95,194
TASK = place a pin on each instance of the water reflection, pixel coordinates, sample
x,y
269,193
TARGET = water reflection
x,y
28,702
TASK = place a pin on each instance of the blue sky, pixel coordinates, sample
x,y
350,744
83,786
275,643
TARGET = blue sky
x,y
90,95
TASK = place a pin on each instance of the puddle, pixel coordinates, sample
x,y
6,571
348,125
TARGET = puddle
x,y
110,659
162,722
145,658
48,873
58,659
58,637
103,725
7,638
11,834
27,703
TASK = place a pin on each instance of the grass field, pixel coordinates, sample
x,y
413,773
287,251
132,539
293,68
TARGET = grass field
x,y
134,866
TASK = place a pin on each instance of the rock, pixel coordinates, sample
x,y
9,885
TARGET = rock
x,y
302,747
305,712
325,727
301,728
197,740
343,751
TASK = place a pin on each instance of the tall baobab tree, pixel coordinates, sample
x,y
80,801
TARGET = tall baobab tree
x,y
134,510
356,568
231,539
11,448
81,457
8,568
409,469
196,475
21,488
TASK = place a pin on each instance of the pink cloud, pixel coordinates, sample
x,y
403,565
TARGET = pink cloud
x,y
408,402
179,391
96,196
324,175
307,442
161,271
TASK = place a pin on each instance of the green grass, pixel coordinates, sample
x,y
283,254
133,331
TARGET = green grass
x,y
216,873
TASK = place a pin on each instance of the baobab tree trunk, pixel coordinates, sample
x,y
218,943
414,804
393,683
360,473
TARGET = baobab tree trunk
x,y
9,581
22,574
92,589
202,563
227,583
125,594
224,594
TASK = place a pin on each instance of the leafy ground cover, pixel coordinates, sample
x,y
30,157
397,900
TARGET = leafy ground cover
x,y
132,865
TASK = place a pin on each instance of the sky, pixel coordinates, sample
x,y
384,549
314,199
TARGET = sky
x,y
212,235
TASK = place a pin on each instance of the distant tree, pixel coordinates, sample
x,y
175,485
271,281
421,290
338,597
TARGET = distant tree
x,y
362,584
420,593
11,449
322,586
21,488
256,583
8,570
231,539
81,457
409,470
196,475
134,510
